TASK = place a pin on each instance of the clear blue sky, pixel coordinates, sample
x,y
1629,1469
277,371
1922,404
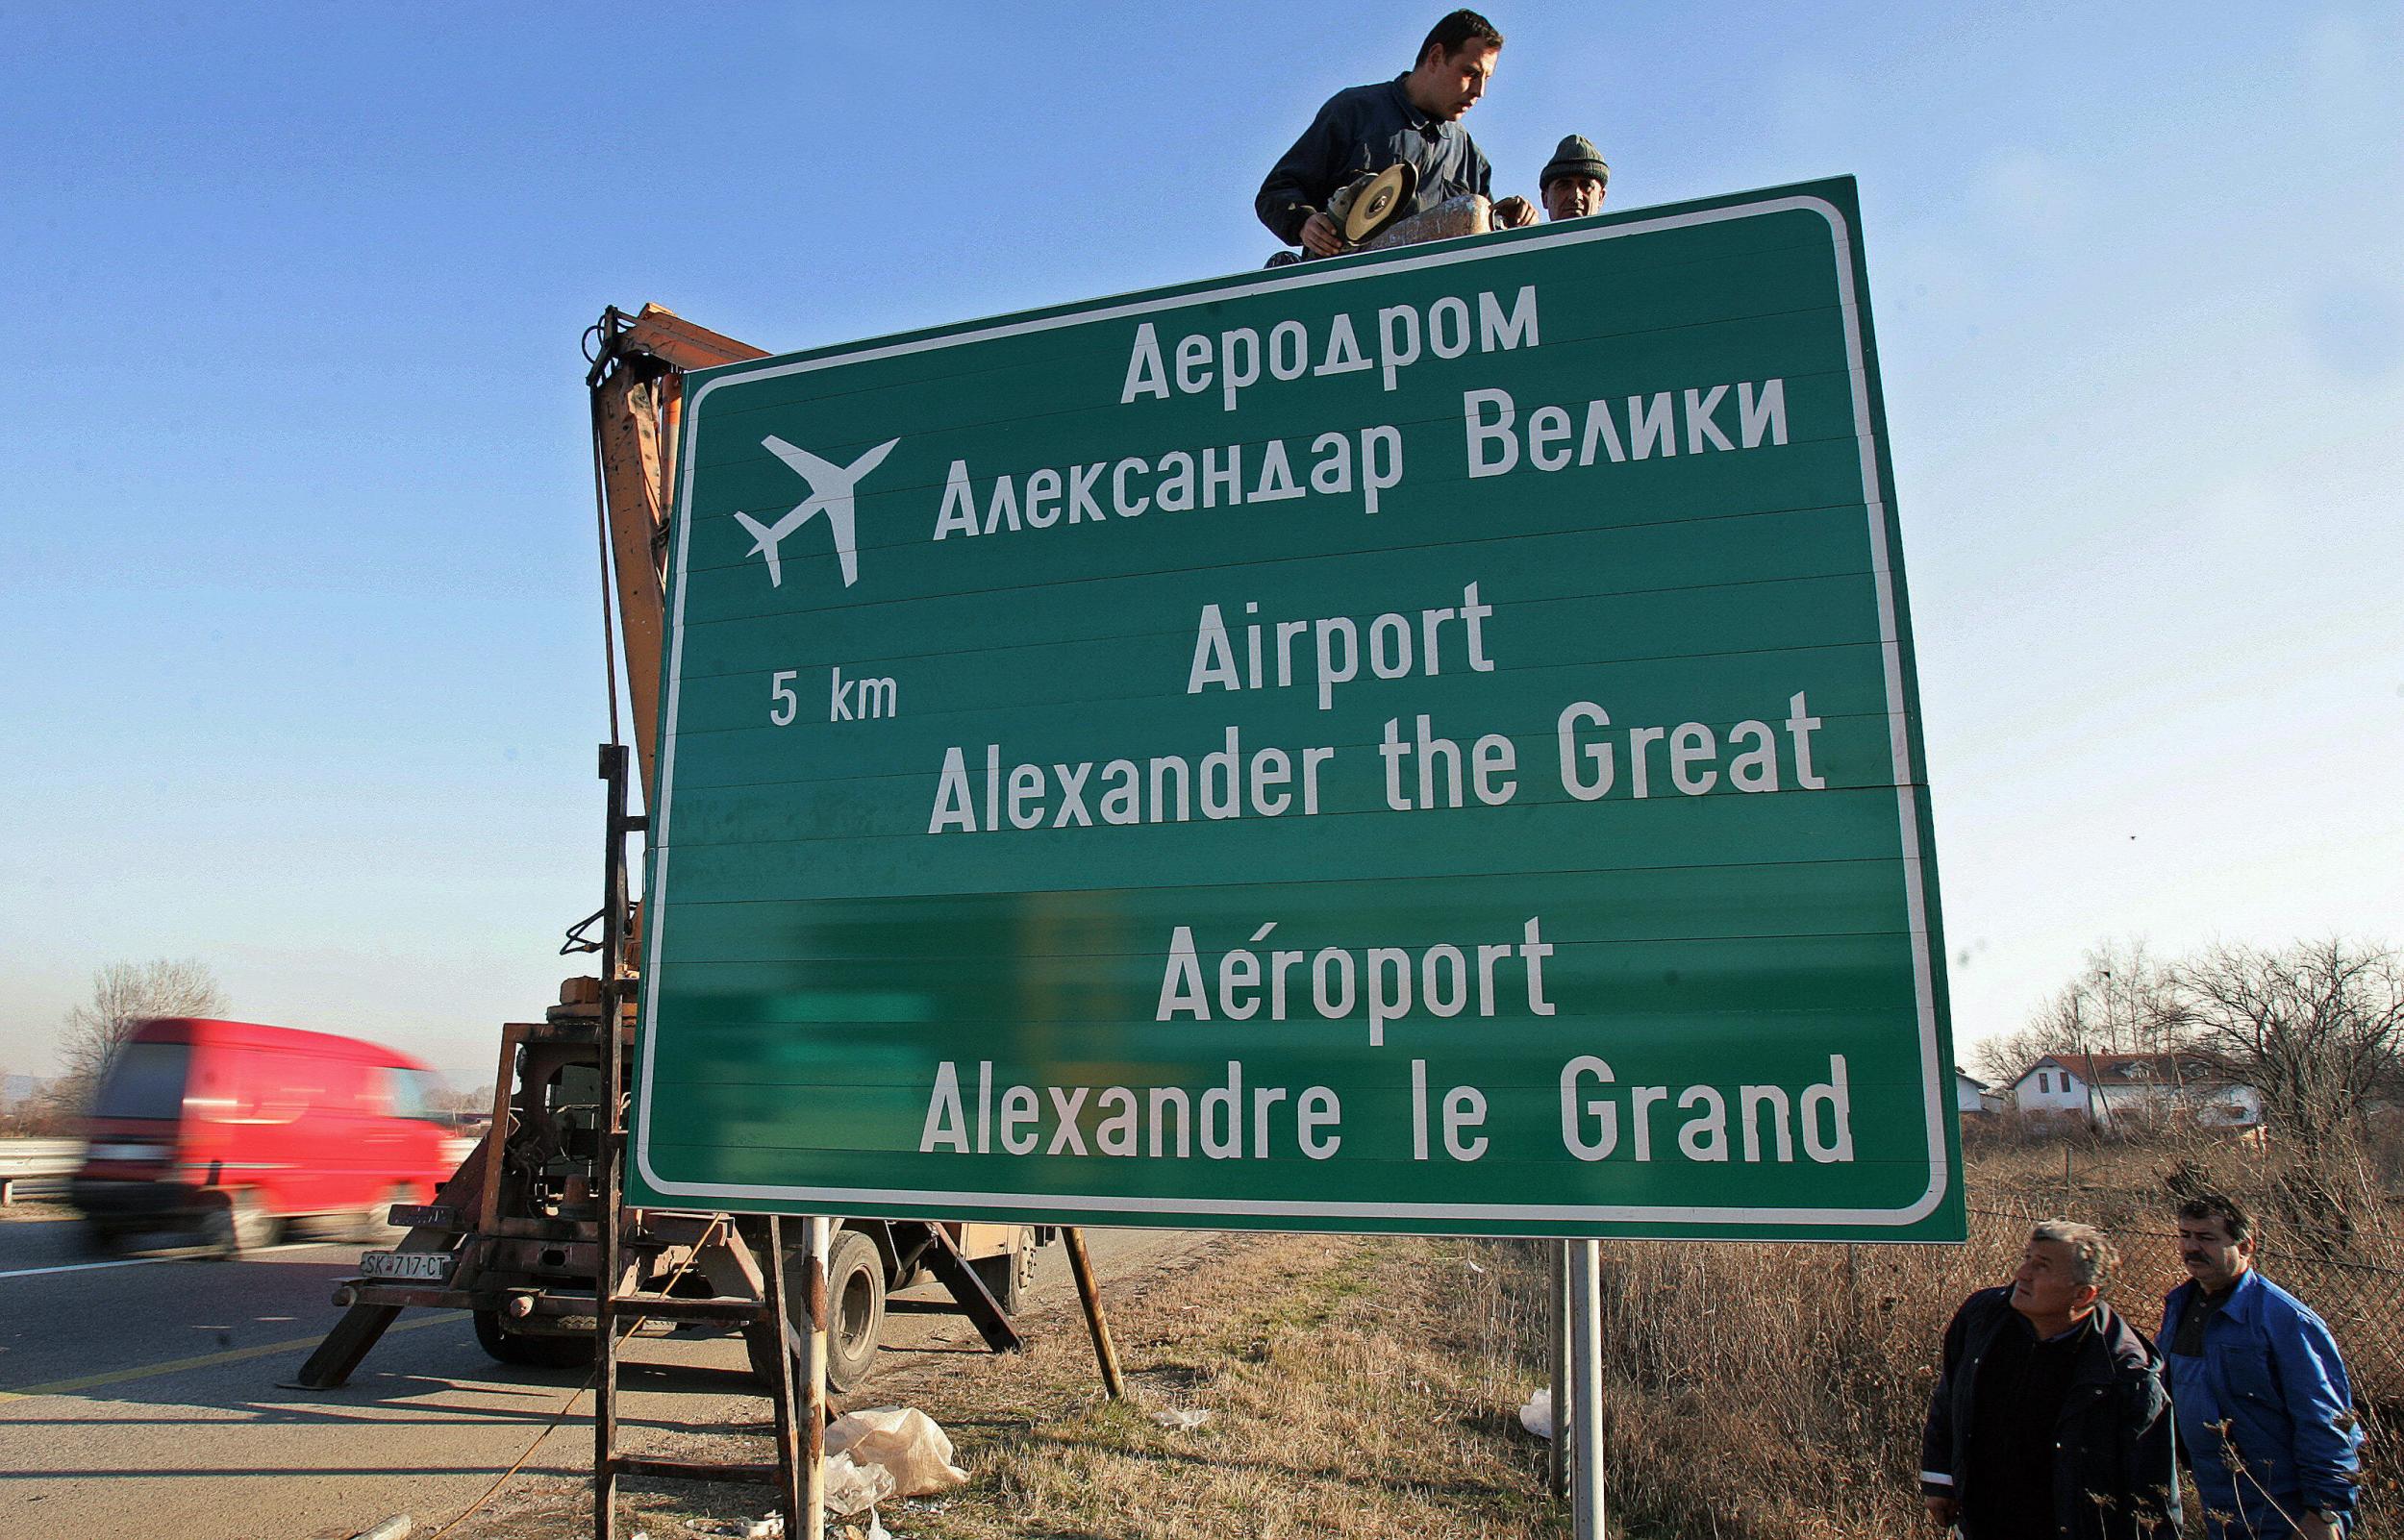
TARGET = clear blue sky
x,y
300,619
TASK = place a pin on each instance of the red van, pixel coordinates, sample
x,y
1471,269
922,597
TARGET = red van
x,y
229,1129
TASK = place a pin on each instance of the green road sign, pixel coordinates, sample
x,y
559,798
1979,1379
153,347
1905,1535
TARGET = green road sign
x,y
1424,741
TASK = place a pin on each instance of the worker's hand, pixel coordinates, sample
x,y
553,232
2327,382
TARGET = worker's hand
x,y
1941,1511
1514,212
1321,236
2313,1527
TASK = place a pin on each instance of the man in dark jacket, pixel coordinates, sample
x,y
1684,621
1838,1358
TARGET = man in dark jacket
x,y
1414,117
2050,1421
2264,1411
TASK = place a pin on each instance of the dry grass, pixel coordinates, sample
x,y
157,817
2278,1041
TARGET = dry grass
x,y
1369,1387
1356,1388
1805,1371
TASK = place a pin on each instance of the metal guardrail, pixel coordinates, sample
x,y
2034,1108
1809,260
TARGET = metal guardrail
x,y
36,1165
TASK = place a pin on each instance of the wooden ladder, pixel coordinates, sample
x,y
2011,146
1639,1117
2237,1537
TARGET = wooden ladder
x,y
618,1311
618,1308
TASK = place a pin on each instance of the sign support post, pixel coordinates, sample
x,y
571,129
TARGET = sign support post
x,y
1585,1334
817,1232
1557,1334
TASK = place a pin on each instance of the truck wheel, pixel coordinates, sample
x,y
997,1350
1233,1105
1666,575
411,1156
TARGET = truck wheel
x,y
1008,1276
855,1299
374,1228
493,1335
239,1224
855,1293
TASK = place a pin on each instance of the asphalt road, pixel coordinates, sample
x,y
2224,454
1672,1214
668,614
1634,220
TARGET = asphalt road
x,y
139,1397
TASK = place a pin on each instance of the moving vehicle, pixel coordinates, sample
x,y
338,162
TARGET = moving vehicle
x,y
230,1130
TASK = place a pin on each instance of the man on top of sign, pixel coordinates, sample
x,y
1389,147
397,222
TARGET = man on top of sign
x,y
1572,182
1414,117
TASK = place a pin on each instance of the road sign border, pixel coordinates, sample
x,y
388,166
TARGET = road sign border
x,y
1934,1072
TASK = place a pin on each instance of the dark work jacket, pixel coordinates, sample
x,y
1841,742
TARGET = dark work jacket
x,y
1369,128
2114,1441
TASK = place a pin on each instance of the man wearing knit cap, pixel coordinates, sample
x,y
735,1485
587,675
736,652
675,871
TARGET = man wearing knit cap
x,y
1574,179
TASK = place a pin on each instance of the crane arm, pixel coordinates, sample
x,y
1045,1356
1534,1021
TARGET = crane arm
x,y
637,399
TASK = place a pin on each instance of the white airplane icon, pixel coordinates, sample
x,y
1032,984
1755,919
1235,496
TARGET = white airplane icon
x,y
831,488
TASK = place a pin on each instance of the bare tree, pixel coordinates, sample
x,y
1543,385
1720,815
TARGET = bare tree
x,y
2317,1029
459,1103
2003,1058
123,995
2118,1003
15,1112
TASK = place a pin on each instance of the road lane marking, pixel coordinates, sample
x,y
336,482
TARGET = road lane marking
x,y
118,1376
170,1257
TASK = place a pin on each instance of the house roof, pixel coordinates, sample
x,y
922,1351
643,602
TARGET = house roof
x,y
1960,1074
2133,1069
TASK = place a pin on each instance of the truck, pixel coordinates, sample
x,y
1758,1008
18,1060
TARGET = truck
x,y
515,1233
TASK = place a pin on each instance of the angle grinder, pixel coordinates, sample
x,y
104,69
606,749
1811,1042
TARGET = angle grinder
x,y
1363,208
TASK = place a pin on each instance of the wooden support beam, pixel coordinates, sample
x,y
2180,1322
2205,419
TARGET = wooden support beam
x,y
1089,1295
758,1474
362,1326
968,1291
504,1084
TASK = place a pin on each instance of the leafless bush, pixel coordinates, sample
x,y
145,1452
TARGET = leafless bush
x,y
35,1117
1777,1392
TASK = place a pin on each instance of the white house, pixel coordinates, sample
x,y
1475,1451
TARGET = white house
x,y
1972,1094
2111,1089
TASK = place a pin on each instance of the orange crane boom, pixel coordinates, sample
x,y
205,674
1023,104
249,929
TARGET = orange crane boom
x,y
638,383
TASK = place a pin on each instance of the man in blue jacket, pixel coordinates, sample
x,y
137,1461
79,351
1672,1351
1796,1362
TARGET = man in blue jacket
x,y
2264,1413
2049,1421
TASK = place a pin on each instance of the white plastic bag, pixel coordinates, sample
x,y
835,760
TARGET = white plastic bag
x,y
853,1487
902,1439
1537,1416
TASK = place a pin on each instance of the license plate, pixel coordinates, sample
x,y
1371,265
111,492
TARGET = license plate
x,y
424,1267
